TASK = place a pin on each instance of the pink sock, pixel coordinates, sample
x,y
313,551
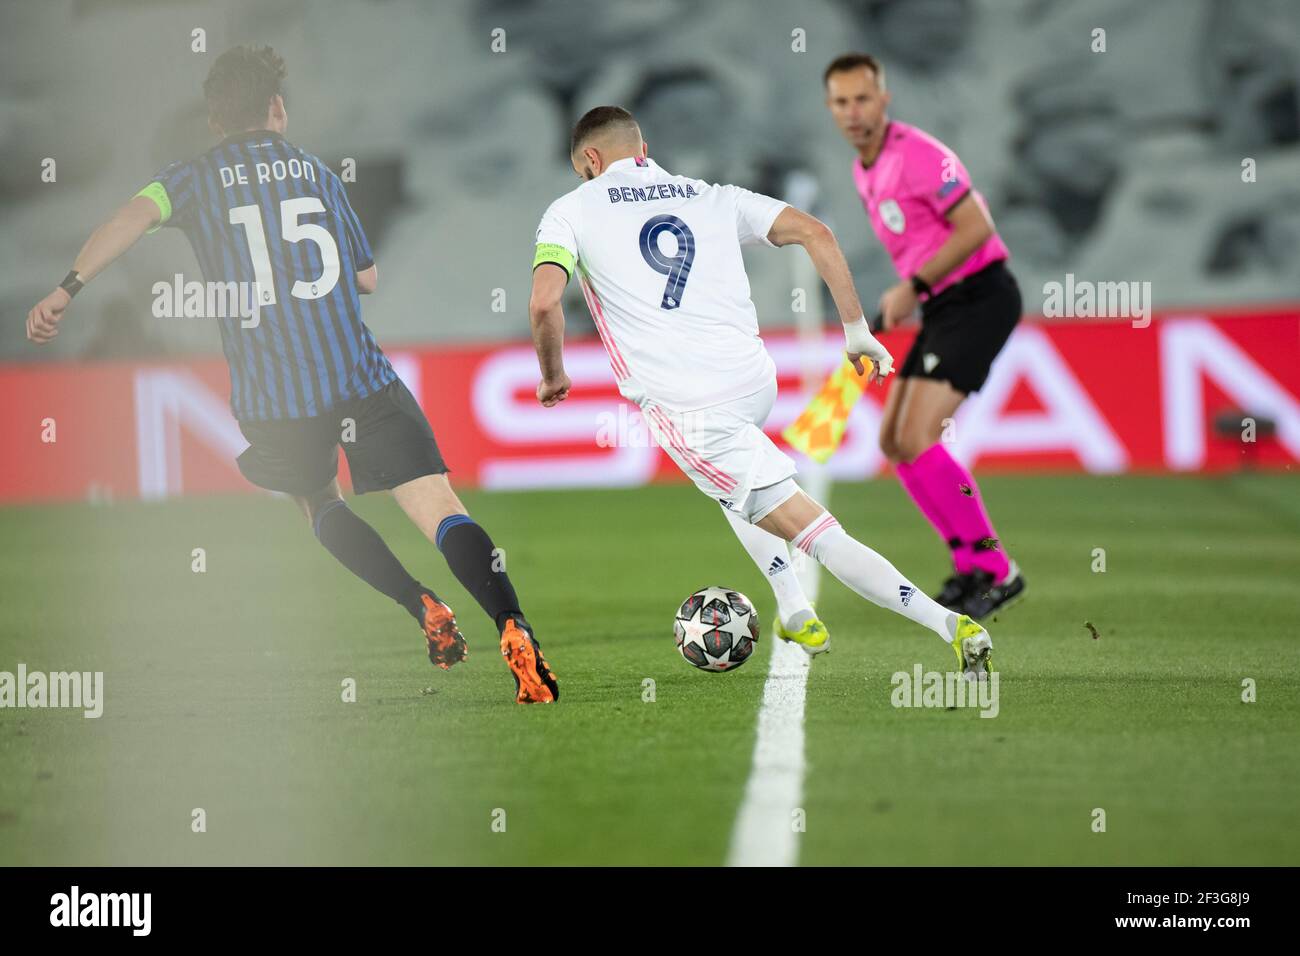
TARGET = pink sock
x,y
953,491
914,483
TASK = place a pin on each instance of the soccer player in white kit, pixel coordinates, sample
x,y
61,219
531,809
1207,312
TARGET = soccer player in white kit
x,y
659,259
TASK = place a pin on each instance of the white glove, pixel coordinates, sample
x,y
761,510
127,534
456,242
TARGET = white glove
x,y
858,340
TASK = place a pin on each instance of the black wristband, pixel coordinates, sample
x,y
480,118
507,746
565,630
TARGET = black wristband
x,y
71,284
920,286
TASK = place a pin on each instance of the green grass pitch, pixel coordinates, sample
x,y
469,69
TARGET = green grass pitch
x,y
223,688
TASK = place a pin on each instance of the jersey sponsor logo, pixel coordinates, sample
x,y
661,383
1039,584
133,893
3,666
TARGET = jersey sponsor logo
x,y
892,216
648,193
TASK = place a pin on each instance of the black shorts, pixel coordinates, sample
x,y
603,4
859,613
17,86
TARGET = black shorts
x,y
386,437
963,329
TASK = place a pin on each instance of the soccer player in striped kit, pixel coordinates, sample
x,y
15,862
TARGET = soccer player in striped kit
x,y
306,374
952,263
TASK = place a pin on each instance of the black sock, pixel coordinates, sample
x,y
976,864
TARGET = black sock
x,y
477,565
359,548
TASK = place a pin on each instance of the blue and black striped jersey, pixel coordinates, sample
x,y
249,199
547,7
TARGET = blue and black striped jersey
x,y
260,211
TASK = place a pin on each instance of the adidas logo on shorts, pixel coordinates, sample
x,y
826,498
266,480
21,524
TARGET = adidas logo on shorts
x,y
905,592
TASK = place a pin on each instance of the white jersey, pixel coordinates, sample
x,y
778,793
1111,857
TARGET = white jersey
x,y
659,260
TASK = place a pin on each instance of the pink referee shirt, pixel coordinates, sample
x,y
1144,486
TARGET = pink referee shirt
x,y
913,183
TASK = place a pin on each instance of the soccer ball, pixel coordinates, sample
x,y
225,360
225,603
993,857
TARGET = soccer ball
x,y
716,629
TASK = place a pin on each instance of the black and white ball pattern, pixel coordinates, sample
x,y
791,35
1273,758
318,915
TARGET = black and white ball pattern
x,y
716,629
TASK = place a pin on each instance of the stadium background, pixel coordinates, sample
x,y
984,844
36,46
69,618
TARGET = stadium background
x,y
1115,166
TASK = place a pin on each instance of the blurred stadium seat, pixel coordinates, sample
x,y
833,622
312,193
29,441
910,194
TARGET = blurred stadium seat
x,y
1118,165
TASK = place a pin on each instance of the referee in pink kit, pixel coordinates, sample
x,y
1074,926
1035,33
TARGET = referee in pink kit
x,y
936,228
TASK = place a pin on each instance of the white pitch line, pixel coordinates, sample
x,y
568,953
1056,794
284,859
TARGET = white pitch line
x,y
764,834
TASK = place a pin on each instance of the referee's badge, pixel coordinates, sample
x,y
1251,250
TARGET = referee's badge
x,y
892,216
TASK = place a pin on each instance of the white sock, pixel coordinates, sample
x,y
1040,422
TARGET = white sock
x,y
772,556
871,576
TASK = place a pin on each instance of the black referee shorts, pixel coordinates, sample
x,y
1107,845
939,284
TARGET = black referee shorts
x,y
963,329
385,436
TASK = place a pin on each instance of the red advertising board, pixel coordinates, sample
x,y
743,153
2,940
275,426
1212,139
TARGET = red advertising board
x,y
1101,397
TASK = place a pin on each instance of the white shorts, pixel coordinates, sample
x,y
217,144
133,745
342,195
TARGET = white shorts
x,y
723,448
